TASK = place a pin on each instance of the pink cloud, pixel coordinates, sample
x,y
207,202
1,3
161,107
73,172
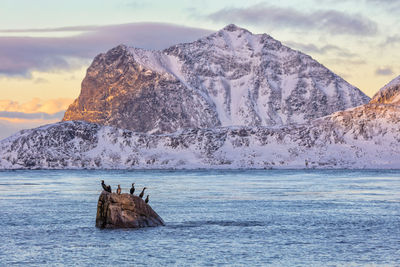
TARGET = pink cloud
x,y
19,56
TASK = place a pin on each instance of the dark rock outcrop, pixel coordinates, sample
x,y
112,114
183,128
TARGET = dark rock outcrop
x,y
125,211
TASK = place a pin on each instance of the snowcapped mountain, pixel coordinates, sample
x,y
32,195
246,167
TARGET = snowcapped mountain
x,y
389,94
229,100
367,136
230,78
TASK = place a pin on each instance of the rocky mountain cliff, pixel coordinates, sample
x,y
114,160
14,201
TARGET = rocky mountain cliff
x,y
389,94
363,137
232,77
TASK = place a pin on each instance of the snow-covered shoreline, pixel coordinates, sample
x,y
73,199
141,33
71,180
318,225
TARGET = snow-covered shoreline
x,y
365,137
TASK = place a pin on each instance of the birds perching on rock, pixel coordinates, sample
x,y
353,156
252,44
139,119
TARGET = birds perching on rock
x,y
106,187
142,193
132,189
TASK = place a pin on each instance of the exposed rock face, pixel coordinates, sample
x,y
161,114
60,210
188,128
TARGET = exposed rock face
x,y
363,137
125,211
389,94
231,77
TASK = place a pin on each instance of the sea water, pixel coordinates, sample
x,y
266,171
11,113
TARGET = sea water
x,y
233,218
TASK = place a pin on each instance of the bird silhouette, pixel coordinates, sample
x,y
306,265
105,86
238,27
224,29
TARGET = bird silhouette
x,y
142,193
105,187
132,189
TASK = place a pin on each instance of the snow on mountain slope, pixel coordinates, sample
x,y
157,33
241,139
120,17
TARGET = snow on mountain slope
x,y
389,94
363,137
232,77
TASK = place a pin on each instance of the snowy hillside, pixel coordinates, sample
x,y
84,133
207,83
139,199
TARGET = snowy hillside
x,y
230,78
363,137
389,94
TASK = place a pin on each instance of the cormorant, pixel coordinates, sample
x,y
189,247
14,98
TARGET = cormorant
x,y
119,190
105,187
142,193
132,189
147,199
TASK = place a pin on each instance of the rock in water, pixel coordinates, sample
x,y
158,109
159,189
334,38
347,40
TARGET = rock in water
x,y
125,211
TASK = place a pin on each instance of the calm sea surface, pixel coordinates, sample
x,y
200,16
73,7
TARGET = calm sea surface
x,y
234,218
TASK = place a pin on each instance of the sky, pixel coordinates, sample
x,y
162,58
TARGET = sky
x,y
47,45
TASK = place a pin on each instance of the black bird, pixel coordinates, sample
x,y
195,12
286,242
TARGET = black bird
x,y
147,199
132,189
105,187
142,193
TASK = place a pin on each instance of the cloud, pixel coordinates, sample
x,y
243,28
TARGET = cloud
x,y
136,4
380,2
329,21
40,80
15,116
391,40
346,62
391,6
323,50
384,71
58,29
36,105
19,56
31,116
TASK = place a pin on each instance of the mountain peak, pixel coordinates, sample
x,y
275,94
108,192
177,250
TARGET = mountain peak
x,y
233,28
389,94
232,77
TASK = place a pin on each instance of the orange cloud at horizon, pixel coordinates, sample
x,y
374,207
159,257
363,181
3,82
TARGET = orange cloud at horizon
x,y
32,123
36,105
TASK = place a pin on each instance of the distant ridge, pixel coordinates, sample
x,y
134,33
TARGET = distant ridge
x,y
389,94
